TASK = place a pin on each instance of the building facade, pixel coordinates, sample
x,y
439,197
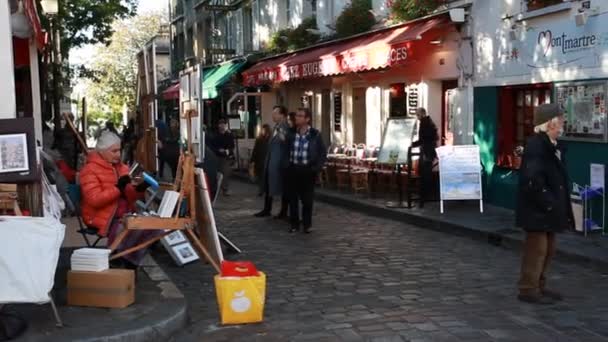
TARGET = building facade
x,y
538,52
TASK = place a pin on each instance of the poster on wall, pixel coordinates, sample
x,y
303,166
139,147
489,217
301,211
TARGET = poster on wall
x,y
397,139
584,106
460,174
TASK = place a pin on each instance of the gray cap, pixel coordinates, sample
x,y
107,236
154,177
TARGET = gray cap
x,y
546,112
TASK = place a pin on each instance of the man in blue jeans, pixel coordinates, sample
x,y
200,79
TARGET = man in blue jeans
x,y
307,155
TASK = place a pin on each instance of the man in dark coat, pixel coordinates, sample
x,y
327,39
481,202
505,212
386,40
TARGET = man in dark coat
x,y
307,155
543,207
277,160
223,144
427,141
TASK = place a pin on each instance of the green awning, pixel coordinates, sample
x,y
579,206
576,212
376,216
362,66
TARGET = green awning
x,y
215,77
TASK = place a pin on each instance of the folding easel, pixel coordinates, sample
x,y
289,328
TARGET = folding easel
x,y
184,184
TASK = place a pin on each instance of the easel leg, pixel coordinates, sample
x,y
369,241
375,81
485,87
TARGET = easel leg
x,y
140,246
119,239
202,249
59,322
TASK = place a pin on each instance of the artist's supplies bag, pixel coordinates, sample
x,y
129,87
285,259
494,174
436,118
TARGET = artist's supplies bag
x,y
241,299
238,269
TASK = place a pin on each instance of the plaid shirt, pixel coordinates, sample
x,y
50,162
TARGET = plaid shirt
x,y
299,150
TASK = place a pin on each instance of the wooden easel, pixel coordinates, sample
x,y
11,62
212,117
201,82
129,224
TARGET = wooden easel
x,y
184,183
8,200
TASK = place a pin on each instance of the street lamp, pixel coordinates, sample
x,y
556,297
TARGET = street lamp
x,y
51,9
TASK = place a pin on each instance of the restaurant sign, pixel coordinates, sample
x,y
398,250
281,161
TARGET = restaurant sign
x,y
559,45
327,65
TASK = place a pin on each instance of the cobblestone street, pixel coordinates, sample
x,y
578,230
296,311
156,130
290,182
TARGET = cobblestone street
x,y
358,278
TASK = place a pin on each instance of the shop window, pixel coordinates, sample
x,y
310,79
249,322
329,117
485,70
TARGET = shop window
x,y
398,100
532,5
338,112
516,120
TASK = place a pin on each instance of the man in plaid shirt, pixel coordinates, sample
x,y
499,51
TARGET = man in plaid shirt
x,y
307,155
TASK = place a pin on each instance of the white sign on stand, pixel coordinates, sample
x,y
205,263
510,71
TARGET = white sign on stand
x,y
460,174
598,176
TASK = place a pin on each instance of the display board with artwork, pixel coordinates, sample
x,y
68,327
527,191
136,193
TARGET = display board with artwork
x,y
460,173
398,137
17,151
584,106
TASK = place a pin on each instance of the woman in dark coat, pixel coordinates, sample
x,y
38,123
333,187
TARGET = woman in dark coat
x,y
259,154
543,207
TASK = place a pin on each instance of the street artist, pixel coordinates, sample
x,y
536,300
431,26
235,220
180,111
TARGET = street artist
x,y
108,193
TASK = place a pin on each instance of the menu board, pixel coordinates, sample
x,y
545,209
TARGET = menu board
x,y
338,112
584,106
459,172
398,137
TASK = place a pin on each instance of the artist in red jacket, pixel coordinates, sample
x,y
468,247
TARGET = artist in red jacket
x,y
108,193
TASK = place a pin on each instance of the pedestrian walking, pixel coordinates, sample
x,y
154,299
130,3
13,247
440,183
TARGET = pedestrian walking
x,y
277,160
543,207
307,155
427,141
259,155
169,147
222,144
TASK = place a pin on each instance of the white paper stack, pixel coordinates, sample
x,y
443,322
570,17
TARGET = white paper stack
x,y
90,259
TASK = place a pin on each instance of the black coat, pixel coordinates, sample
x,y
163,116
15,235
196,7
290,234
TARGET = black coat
x,y
427,138
544,188
259,155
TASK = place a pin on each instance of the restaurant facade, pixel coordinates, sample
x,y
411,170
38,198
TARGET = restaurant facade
x,y
552,54
353,85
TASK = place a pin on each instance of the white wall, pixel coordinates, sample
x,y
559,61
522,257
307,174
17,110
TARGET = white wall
x,y
327,12
493,44
7,81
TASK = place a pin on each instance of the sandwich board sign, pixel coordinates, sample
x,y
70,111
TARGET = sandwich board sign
x,y
398,137
460,174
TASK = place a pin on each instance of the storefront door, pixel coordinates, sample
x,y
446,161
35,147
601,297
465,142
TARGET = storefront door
x,y
359,116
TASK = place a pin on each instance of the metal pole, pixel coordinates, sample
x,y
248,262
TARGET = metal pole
x,y
56,74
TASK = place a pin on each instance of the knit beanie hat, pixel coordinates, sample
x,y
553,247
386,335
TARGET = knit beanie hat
x,y
546,112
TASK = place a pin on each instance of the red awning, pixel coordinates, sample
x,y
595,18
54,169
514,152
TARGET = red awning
x,y
171,93
32,14
376,50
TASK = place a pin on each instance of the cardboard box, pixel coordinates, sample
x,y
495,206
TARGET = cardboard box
x,y
113,288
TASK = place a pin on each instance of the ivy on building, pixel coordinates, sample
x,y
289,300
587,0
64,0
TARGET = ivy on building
x,y
355,18
406,10
290,39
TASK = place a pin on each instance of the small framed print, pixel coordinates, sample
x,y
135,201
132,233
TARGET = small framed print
x,y
175,238
13,153
184,253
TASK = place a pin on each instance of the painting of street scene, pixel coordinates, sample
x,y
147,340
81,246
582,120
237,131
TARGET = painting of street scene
x,y
13,153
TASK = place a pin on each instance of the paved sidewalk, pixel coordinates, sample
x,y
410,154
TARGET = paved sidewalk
x,y
159,311
364,278
496,225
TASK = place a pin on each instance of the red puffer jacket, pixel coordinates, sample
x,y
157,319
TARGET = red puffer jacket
x,y
100,195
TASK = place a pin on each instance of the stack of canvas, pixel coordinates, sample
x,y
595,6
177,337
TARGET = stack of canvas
x,y
90,259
